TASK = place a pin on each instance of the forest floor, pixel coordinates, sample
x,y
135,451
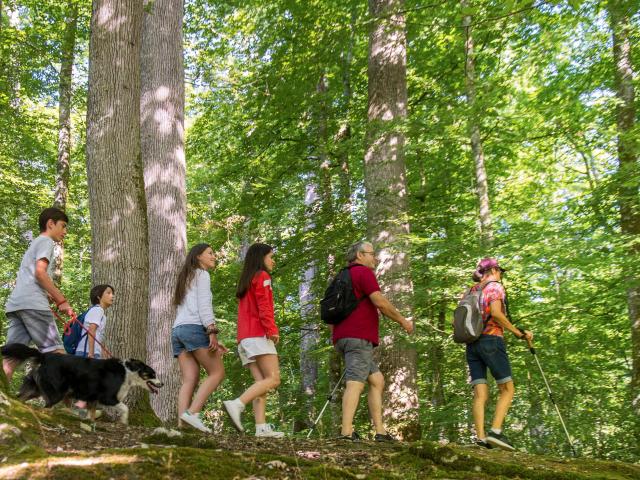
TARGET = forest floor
x,y
37,443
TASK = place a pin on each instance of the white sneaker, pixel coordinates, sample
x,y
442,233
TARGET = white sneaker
x,y
267,431
195,421
234,408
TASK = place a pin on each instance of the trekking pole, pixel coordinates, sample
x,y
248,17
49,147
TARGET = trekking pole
x,y
533,352
329,399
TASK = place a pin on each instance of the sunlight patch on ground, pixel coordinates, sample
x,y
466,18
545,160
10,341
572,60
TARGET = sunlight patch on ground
x,y
41,468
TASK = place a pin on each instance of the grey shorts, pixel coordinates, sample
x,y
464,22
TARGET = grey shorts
x,y
358,358
34,326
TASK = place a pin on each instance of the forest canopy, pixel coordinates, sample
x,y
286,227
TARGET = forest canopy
x,y
510,130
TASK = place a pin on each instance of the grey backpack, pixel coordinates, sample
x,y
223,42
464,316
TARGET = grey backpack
x,y
467,317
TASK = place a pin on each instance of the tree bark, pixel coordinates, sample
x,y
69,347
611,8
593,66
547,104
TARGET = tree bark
x,y
477,152
163,158
318,205
386,197
628,181
336,366
120,254
309,334
343,136
64,125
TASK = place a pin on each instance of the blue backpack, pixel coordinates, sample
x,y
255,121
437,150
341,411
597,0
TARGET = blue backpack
x,y
74,333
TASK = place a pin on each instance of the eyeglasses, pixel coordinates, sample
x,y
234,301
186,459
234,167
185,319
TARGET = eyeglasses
x,y
370,253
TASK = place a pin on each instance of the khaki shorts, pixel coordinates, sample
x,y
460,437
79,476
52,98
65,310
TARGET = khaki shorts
x,y
34,326
249,348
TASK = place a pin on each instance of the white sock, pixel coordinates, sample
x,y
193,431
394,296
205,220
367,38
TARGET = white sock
x,y
239,403
260,427
497,431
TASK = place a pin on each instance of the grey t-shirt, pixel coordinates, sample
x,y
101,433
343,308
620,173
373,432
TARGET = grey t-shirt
x,y
28,294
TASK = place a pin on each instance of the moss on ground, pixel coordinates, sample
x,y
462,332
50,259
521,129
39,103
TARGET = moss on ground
x,y
143,415
39,443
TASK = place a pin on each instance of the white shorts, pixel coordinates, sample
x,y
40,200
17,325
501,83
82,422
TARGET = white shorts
x,y
249,348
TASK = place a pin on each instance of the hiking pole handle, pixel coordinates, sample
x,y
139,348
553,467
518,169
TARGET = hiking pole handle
x,y
531,349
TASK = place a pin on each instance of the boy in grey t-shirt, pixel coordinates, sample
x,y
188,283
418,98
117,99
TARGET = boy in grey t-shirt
x,y
29,316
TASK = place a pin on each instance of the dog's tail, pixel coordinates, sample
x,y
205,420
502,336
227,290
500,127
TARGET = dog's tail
x,y
20,352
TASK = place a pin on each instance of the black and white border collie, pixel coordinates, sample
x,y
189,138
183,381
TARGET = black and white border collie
x,y
57,376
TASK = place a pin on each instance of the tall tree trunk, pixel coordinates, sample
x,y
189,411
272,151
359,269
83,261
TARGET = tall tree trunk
x,y
386,196
163,158
309,334
120,253
620,13
343,136
317,206
64,125
482,186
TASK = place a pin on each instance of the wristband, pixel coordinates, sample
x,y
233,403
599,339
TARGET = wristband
x,y
521,331
64,300
212,329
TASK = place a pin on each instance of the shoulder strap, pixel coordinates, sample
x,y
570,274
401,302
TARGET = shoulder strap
x,y
506,299
349,267
490,281
482,287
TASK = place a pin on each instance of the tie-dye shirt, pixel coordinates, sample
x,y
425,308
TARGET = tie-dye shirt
x,y
493,291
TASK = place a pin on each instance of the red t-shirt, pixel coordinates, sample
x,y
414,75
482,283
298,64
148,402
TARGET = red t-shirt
x,y
363,322
255,309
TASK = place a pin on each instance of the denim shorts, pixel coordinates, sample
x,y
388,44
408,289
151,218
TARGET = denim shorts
x,y
187,338
488,351
358,358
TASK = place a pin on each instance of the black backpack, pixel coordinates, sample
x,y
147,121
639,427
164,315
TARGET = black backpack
x,y
339,300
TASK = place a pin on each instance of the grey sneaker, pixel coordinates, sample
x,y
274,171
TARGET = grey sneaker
x,y
234,409
268,432
195,421
499,440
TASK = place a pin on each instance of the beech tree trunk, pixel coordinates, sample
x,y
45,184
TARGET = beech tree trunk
x,y
163,158
318,204
477,152
120,254
628,181
64,125
343,136
386,197
309,334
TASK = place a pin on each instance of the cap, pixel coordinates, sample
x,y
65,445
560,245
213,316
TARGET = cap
x,y
487,264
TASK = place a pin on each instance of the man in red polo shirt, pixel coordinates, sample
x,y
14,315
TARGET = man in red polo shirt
x,y
357,335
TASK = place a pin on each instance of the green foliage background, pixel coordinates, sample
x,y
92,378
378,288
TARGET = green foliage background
x,y
546,109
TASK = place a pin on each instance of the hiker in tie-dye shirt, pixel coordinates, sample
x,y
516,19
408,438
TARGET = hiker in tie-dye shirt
x,y
492,291
490,352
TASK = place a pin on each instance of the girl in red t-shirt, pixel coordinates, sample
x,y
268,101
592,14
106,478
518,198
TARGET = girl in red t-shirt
x,y
257,338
